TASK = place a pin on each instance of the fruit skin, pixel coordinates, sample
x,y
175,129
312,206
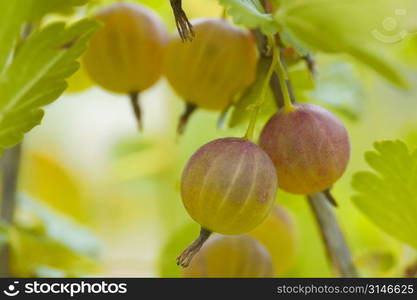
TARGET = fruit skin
x,y
309,147
215,67
231,256
229,186
126,54
278,233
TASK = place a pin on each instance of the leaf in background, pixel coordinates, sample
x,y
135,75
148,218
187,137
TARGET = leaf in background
x,y
388,195
32,255
377,261
37,76
60,228
343,26
13,14
52,183
41,8
302,82
250,13
132,153
241,111
45,243
339,87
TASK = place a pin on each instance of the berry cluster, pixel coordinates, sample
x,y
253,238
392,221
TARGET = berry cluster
x,y
229,185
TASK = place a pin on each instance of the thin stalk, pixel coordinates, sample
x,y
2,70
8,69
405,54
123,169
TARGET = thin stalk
x,y
284,80
257,106
10,166
334,241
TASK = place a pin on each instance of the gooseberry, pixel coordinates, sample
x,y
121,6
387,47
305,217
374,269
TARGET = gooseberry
x,y
231,256
309,147
229,187
126,54
278,233
210,71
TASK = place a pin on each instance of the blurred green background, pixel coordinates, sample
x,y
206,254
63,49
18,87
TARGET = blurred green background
x,y
98,198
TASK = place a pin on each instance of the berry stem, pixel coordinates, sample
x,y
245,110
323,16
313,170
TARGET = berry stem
x,y
283,80
134,100
257,105
336,246
187,255
10,166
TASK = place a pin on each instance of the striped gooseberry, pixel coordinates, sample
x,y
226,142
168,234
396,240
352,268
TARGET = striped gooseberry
x,y
309,147
211,70
231,256
229,187
126,54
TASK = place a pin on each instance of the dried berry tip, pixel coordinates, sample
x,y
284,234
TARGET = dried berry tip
x,y
223,115
187,255
330,198
189,110
185,29
134,99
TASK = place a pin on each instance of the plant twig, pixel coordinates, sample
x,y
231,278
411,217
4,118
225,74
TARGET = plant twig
x,y
10,166
334,241
321,203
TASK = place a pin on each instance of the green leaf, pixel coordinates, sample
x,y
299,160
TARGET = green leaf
x,y
250,13
13,14
241,110
42,7
46,243
339,87
36,76
343,26
37,256
388,195
61,229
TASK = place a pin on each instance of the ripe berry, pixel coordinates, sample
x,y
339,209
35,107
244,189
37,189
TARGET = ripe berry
x,y
125,55
210,71
278,233
231,256
309,147
229,187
